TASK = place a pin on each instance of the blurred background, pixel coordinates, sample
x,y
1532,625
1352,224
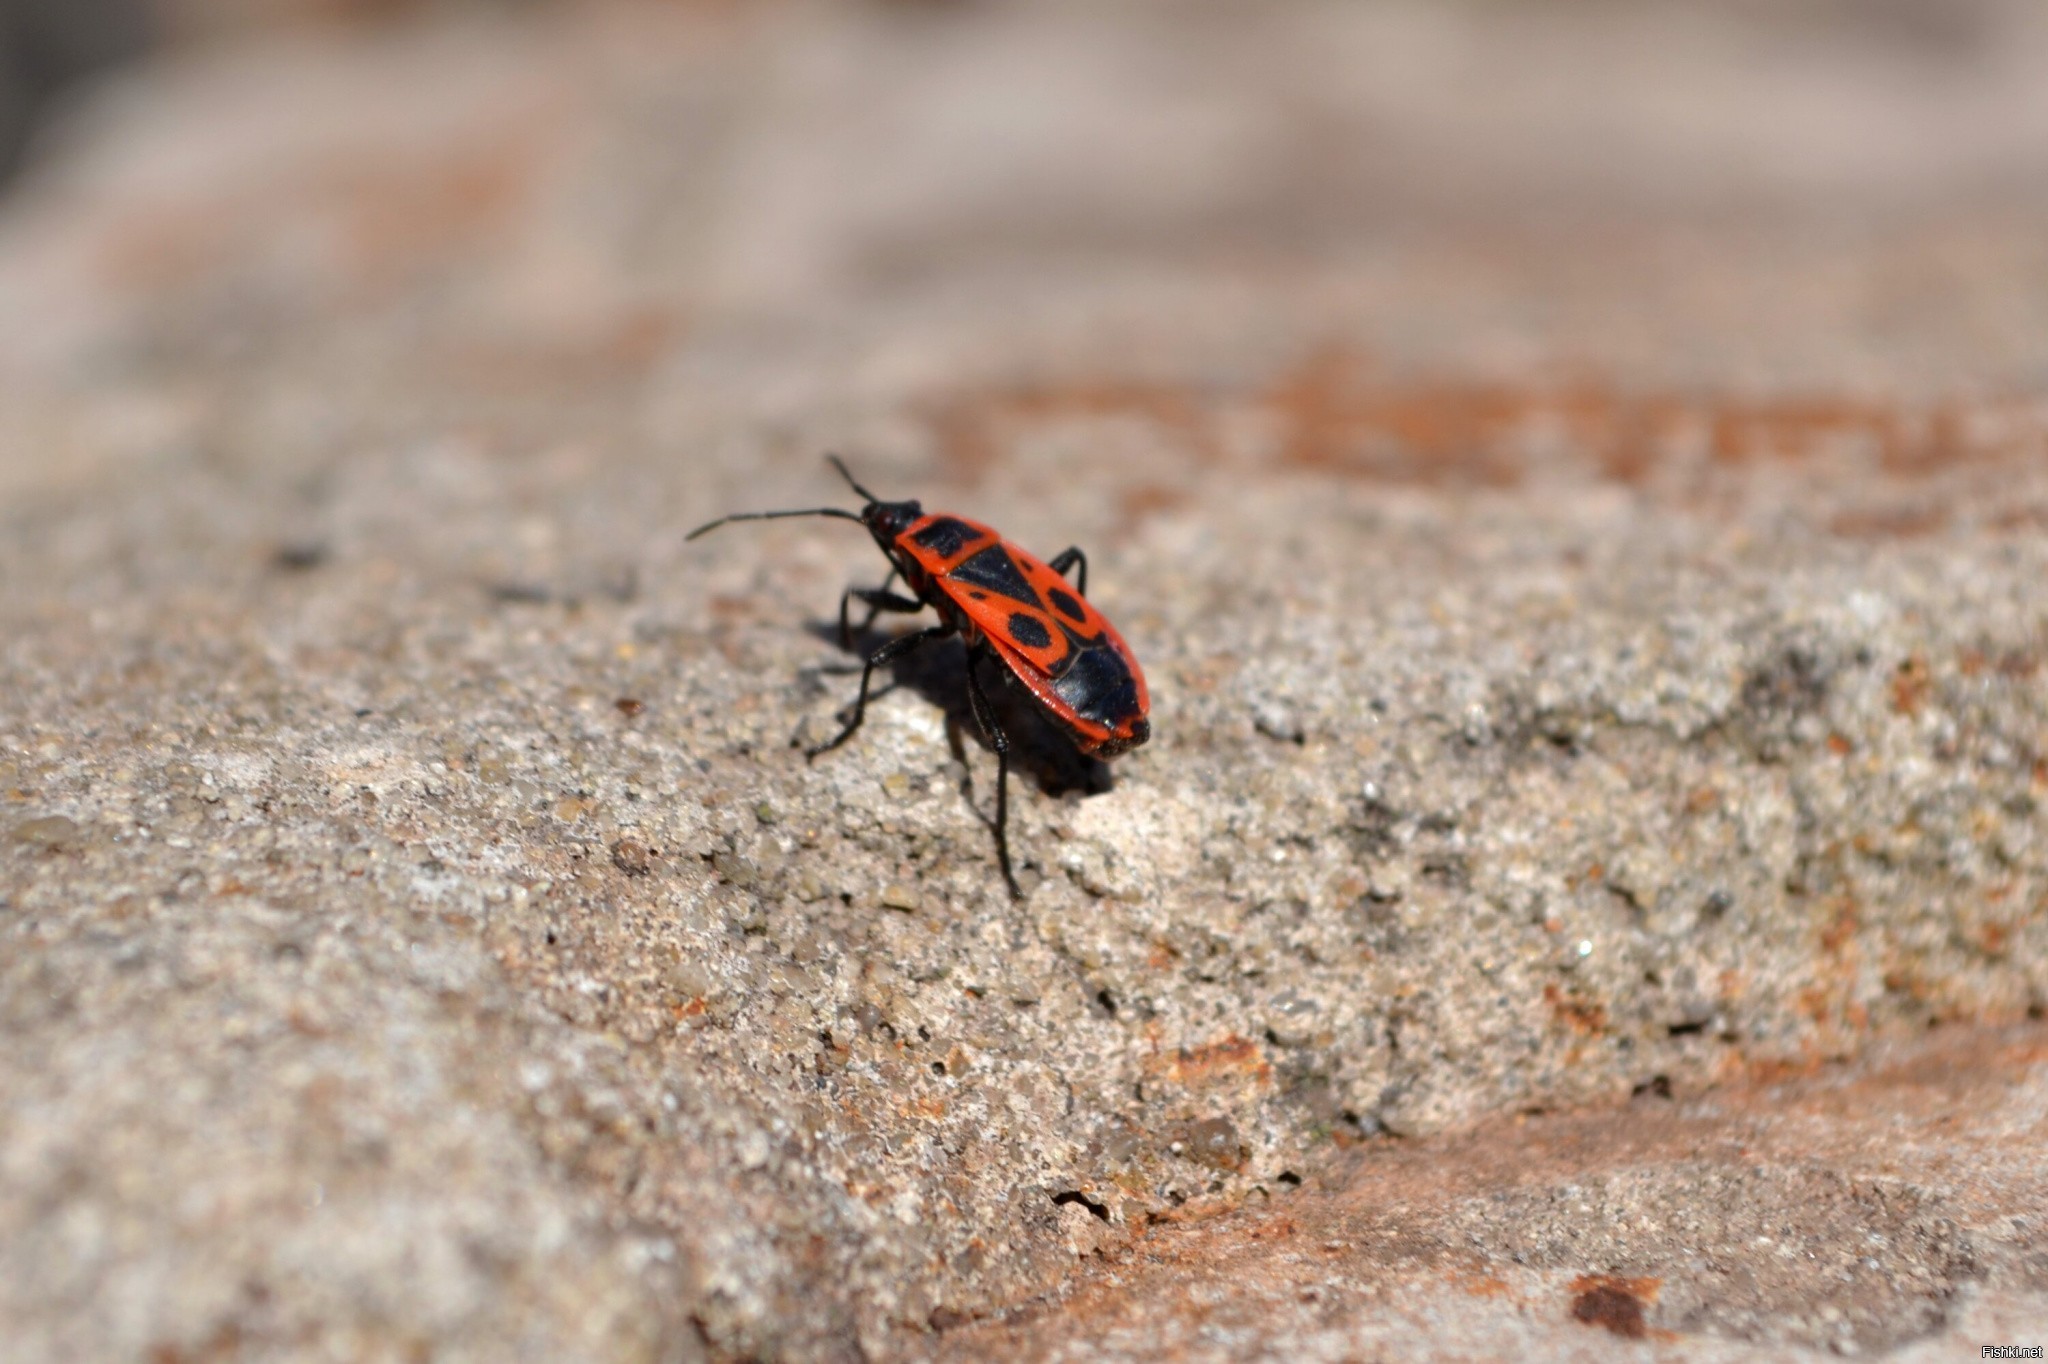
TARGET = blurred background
x,y
1394,238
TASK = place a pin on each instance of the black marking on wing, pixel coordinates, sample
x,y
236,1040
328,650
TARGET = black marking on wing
x,y
1097,685
1028,630
1077,644
946,537
994,569
1064,603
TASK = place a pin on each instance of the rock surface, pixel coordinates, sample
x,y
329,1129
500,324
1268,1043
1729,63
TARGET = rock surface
x,y
1888,1211
1586,553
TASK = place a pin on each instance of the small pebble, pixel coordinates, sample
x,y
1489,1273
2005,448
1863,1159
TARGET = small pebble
x,y
632,857
1213,1142
691,981
49,831
1277,721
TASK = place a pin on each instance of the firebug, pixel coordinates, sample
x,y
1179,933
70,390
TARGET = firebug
x,y
1009,606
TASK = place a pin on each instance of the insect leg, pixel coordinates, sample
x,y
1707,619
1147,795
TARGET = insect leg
x,y
985,716
1066,559
878,599
894,649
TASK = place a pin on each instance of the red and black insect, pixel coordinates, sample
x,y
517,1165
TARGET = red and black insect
x,y
1008,605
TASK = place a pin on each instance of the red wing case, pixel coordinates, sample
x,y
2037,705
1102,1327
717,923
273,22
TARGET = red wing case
x,y
1060,647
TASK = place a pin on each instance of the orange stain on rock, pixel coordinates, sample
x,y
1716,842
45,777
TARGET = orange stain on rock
x,y
1584,1016
1230,1058
1338,412
1614,1303
1840,929
1911,684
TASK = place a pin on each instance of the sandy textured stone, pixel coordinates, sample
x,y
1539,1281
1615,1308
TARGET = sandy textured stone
x,y
1887,1210
1585,551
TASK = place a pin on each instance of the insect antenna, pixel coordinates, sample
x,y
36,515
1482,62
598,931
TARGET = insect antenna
x,y
847,474
710,526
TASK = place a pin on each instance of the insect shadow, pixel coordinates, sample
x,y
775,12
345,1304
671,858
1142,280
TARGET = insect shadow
x,y
938,673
